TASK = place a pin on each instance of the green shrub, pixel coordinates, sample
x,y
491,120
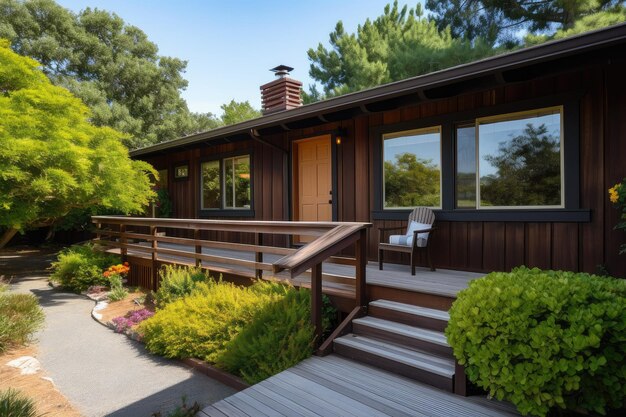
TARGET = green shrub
x,y
201,324
20,317
80,266
279,336
118,292
177,282
14,404
544,339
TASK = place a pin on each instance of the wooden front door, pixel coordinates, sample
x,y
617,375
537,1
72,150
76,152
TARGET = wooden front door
x,y
313,180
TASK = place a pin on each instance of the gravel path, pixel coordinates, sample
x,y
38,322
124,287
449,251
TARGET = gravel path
x,y
102,373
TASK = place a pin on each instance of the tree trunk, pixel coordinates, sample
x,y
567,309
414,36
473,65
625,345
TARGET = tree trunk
x,y
7,236
50,234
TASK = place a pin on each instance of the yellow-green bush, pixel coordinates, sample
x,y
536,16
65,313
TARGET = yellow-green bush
x,y
544,339
201,324
279,336
177,282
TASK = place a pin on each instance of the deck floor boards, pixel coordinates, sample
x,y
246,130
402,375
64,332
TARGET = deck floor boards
x,y
335,386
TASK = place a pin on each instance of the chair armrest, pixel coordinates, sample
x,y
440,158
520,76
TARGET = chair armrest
x,y
416,232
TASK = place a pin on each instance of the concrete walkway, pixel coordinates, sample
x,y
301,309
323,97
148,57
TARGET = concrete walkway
x,y
102,373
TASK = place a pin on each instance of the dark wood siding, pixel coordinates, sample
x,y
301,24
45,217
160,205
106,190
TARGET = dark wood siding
x,y
478,246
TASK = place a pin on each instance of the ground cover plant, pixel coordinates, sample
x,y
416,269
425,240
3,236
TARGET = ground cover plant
x,y
131,319
81,266
20,317
544,340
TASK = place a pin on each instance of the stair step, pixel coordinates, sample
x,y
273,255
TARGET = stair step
x,y
420,365
409,336
409,314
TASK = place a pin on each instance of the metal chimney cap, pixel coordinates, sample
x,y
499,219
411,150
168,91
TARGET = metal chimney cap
x,y
281,71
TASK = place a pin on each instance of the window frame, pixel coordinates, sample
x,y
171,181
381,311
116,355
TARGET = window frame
x,y
408,133
570,122
224,211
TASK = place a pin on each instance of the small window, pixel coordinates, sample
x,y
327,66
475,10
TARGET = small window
x,y
226,183
181,172
520,160
412,168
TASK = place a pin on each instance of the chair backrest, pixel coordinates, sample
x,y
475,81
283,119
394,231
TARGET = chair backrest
x,y
421,215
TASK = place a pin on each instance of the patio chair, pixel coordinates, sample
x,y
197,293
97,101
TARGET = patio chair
x,y
419,230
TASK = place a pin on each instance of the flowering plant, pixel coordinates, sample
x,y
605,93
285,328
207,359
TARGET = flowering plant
x,y
132,318
617,195
119,269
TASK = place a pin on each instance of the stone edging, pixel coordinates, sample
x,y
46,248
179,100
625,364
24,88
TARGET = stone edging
x,y
196,364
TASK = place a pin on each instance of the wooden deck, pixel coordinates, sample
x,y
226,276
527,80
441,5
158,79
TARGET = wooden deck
x,y
442,282
334,386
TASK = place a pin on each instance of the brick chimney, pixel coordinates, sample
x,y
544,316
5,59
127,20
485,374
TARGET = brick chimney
x,y
281,94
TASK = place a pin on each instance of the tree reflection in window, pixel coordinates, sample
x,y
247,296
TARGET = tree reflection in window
x,y
211,195
237,182
524,169
411,168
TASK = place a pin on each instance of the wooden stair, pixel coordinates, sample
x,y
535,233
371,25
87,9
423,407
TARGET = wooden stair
x,y
404,339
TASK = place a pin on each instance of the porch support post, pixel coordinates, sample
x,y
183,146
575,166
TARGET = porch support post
x,y
316,301
155,246
360,267
258,256
123,242
460,380
196,237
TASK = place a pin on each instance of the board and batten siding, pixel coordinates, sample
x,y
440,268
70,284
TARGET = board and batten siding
x,y
467,245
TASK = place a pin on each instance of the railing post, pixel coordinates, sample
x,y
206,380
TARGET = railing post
x,y
316,301
123,241
196,236
258,256
361,262
98,229
155,246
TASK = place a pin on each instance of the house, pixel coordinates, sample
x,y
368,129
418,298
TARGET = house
x,y
514,152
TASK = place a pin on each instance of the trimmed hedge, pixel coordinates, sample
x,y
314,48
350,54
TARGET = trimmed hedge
x,y
544,339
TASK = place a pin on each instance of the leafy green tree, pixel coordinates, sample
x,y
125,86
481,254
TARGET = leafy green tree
x,y
400,43
110,65
52,160
500,21
411,182
528,171
236,112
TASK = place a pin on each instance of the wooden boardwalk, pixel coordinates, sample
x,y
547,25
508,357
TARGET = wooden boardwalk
x,y
334,386
443,282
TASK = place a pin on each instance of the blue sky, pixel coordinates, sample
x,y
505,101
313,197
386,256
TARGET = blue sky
x,y
231,45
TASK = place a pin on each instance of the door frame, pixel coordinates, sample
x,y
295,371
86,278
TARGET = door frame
x,y
333,172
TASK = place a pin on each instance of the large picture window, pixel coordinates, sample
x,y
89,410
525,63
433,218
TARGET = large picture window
x,y
226,183
412,168
520,160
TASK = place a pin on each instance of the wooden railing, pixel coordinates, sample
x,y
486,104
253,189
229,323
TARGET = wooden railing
x,y
141,238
